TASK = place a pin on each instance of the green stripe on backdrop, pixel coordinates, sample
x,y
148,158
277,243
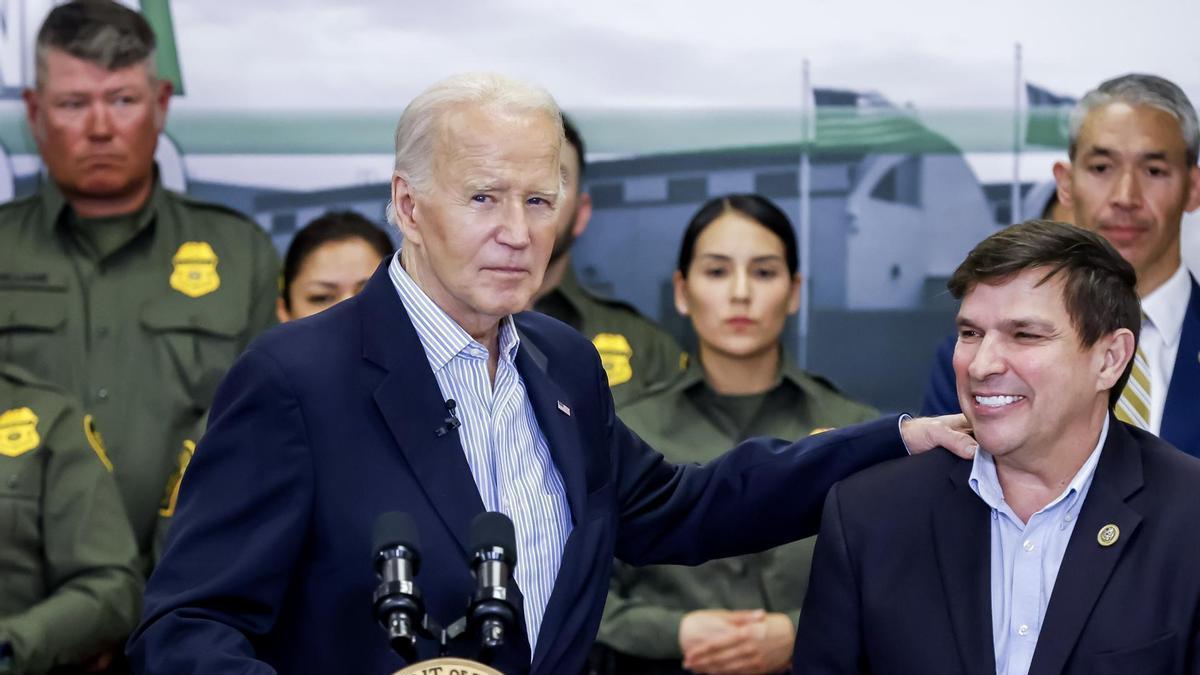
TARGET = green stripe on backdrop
x,y
166,58
608,132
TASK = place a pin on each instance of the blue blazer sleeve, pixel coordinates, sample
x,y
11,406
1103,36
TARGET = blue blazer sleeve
x,y
941,395
761,494
242,516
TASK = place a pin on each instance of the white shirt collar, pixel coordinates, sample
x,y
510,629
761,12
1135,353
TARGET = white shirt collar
x,y
1166,305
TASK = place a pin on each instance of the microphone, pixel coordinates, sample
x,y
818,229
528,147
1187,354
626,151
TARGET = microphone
x,y
450,423
494,543
397,601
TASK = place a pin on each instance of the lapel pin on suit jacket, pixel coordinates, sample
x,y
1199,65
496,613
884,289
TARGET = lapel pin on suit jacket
x,y
564,408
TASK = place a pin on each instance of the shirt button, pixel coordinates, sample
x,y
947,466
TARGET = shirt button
x,y
1028,547
102,393
1023,630
1068,518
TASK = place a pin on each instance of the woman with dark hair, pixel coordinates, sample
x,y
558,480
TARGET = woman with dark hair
x,y
737,280
329,260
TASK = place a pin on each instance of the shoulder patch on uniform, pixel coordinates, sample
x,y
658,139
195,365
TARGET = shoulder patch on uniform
x,y
615,353
195,272
96,442
167,508
18,432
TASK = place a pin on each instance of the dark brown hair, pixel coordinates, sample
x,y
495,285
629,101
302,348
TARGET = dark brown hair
x,y
1099,289
331,227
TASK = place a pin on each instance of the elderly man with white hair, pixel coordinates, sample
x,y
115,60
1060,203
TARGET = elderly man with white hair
x,y
327,422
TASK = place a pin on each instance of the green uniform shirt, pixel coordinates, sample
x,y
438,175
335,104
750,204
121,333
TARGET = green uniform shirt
x,y
688,422
69,584
138,317
635,353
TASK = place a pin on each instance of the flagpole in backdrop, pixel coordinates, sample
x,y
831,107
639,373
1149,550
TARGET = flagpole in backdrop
x,y
1015,210
807,139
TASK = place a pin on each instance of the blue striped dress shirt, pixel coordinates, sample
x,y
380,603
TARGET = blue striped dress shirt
x,y
1026,557
509,458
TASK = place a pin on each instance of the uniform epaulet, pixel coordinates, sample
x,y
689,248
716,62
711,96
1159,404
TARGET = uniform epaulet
x,y
210,206
609,302
19,203
824,382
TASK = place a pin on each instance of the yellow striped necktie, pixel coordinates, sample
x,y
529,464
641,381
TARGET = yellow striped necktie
x,y
1134,405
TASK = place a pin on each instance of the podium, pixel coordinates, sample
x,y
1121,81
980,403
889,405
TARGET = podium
x,y
448,666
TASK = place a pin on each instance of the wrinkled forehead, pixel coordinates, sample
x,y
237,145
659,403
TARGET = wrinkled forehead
x,y
489,132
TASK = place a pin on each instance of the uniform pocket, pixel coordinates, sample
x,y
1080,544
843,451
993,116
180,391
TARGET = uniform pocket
x,y
32,323
200,338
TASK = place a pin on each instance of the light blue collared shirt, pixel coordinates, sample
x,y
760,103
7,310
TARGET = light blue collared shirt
x,y
509,458
1026,558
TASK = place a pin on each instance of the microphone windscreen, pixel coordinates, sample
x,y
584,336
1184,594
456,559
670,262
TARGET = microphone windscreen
x,y
492,529
395,528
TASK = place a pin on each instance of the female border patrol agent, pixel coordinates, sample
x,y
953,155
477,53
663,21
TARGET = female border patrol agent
x,y
737,281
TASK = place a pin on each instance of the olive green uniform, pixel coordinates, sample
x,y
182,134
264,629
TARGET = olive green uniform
x,y
689,422
138,316
69,584
635,352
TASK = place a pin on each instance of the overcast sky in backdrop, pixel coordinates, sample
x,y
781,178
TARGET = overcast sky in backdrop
x,y
315,54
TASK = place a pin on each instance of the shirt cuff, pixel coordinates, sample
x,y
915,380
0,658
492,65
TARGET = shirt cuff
x,y
904,417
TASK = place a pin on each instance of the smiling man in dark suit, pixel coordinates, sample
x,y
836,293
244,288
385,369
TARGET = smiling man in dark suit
x,y
329,421
1132,175
1068,544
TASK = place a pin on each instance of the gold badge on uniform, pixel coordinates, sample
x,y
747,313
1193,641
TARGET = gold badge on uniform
x,y
615,353
195,271
18,432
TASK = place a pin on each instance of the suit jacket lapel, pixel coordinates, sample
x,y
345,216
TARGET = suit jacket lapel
x,y
1087,565
554,414
962,543
1179,426
411,403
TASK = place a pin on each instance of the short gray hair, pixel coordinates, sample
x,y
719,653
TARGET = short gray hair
x,y
103,32
417,130
1139,89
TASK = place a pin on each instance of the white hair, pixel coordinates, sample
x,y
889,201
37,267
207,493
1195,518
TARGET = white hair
x,y
1139,89
416,132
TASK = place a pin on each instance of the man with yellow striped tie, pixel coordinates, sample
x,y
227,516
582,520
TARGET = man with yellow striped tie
x,y
1132,175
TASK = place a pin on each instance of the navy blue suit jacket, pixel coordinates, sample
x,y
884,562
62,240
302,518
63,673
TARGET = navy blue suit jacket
x,y
327,422
901,579
1179,424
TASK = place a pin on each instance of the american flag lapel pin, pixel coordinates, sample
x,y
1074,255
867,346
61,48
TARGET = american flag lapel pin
x,y
564,408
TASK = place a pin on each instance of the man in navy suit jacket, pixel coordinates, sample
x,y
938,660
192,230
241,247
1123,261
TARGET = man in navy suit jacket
x,y
1067,545
1134,142
327,422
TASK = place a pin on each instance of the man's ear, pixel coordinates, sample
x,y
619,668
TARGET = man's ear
x,y
404,208
681,303
1062,176
583,214
1117,350
32,106
162,100
1193,198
